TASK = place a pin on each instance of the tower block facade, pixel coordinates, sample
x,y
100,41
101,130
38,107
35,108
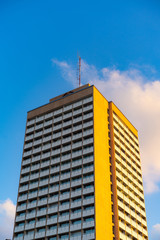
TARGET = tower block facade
x,y
81,173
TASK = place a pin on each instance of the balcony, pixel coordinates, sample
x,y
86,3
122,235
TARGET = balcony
x,y
46,155
34,176
39,119
76,183
42,202
88,201
39,126
36,158
51,220
89,115
88,179
76,193
76,154
53,199
53,189
57,143
32,195
54,179
66,157
28,153
41,223
41,212
30,215
25,170
28,130
29,226
66,108
22,198
25,162
75,215
76,204
65,140
77,119
45,164
33,185
77,136
29,137
30,122
20,218
38,142
88,159
64,186
54,170
87,108
48,138
77,145
68,123
77,112
64,196
88,132
29,145
88,224
21,208
65,176
29,236
35,167
65,166
89,236
63,218
88,169
48,130
43,192
44,173
87,100
87,124
77,104
88,212
64,207
31,205
51,232
38,134
48,123
52,210
77,163
56,135
87,150
24,179
23,188
19,229
47,146
67,131
67,115
75,227
43,182
63,230
88,190
48,115
66,148
76,173
40,235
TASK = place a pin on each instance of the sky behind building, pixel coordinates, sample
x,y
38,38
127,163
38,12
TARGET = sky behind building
x,y
119,42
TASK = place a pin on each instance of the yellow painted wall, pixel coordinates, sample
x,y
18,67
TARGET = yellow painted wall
x,y
103,211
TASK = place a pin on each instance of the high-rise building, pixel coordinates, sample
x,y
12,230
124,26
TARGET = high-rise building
x,y
81,173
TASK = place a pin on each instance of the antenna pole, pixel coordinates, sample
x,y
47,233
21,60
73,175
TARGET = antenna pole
x,y
79,71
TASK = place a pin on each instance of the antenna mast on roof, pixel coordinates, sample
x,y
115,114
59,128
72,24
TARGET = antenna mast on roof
x,y
79,71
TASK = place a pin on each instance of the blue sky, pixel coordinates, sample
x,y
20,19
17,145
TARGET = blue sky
x,y
122,35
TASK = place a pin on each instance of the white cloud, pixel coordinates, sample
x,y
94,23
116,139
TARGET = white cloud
x,y
7,213
139,99
155,233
